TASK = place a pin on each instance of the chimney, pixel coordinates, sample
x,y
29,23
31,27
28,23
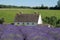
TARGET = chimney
x,y
21,12
40,19
36,12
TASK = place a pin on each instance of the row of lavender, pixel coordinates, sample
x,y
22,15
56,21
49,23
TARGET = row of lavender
x,y
11,32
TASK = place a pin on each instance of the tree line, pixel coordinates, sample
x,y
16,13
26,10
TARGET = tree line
x,y
56,7
37,7
11,6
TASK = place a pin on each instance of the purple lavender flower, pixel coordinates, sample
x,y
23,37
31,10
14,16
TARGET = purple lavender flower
x,y
39,36
12,35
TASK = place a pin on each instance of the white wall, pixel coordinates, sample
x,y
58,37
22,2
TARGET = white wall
x,y
25,23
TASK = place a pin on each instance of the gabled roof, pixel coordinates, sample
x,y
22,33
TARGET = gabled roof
x,y
27,17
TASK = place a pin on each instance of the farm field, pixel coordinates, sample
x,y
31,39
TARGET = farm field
x,y
9,14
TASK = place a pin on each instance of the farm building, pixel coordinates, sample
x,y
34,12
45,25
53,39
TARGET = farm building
x,y
27,19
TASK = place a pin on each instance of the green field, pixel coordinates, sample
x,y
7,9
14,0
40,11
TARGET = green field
x,y
9,14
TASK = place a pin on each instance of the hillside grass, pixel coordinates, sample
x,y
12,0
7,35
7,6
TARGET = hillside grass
x,y
9,14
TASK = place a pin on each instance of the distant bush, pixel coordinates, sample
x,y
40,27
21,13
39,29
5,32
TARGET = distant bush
x,y
52,21
12,23
1,20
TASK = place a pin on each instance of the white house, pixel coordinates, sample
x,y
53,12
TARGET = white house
x,y
28,19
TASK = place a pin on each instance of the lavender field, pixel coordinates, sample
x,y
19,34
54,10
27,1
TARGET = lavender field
x,y
12,32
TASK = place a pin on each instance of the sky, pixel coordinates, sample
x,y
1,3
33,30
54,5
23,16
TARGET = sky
x,y
29,2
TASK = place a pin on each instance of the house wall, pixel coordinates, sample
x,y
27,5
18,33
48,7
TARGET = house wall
x,y
25,23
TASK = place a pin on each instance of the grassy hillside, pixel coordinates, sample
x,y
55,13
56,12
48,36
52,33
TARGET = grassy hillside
x,y
9,14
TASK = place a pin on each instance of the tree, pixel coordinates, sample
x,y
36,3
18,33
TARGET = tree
x,y
58,21
53,20
50,20
58,25
58,3
46,19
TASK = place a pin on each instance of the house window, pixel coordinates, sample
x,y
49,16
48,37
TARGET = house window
x,y
32,23
17,23
27,23
23,23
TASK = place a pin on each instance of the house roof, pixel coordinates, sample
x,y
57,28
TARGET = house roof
x,y
27,17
